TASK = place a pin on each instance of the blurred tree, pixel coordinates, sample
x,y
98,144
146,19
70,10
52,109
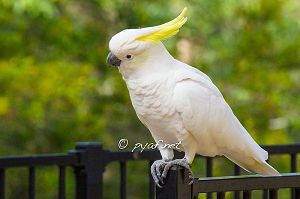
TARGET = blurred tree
x,y
55,88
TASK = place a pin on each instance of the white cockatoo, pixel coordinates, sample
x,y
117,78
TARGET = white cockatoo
x,y
179,103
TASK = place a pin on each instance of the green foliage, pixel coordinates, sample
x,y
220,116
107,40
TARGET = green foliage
x,y
55,88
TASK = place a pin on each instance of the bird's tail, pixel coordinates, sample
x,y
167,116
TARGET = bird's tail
x,y
260,167
263,168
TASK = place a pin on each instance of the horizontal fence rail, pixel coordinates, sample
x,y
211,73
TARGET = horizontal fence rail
x,y
178,180
38,160
245,183
89,160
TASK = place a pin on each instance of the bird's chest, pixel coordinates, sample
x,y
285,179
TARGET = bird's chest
x,y
152,101
154,107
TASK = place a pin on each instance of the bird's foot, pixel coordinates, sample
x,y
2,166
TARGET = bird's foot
x,y
160,168
180,162
157,169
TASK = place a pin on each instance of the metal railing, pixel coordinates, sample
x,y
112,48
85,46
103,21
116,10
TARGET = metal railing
x,y
89,160
240,185
177,185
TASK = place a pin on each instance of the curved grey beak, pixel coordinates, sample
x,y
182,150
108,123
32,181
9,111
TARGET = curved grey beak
x,y
112,60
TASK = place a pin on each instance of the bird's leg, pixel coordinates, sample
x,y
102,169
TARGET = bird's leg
x,y
157,169
180,162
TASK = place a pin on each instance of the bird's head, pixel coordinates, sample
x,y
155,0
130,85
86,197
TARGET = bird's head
x,y
130,48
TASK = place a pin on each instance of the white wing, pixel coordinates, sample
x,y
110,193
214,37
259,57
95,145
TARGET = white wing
x,y
209,119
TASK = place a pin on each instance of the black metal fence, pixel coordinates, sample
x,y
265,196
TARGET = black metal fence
x,y
89,161
242,186
178,180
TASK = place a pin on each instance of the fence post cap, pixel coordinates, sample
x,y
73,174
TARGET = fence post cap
x,y
90,145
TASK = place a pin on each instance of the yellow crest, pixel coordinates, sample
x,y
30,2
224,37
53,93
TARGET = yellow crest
x,y
165,30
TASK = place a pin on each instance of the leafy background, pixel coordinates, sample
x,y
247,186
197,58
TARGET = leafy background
x,y
55,88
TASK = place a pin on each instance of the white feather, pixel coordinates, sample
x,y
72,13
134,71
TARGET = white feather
x,y
177,102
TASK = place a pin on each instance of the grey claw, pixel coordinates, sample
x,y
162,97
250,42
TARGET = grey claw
x,y
153,173
192,180
156,170
157,183
166,169
159,168
179,162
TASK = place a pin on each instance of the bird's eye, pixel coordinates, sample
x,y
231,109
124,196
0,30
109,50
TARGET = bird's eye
x,y
128,56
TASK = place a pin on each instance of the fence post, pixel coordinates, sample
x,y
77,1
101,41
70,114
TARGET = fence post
x,y
176,185
89,171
